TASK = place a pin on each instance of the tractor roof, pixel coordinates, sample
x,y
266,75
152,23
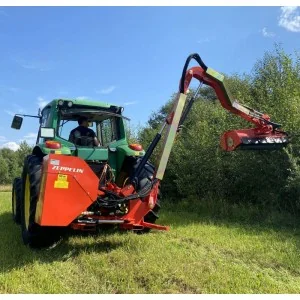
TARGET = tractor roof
x,y
85,102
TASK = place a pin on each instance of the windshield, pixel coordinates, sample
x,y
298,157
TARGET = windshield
x,y
103,125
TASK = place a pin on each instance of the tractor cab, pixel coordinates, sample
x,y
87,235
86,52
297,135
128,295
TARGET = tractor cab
x,y
60,117
105,123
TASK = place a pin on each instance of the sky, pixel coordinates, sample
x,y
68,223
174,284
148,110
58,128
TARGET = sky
x,y
129,56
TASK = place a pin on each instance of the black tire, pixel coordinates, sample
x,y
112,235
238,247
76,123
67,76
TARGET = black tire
x,y
144,179
153,215
16,200
33,234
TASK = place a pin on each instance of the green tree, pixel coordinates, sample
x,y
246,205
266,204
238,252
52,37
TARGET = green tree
x,y
11,162
131,133
4,170
24,150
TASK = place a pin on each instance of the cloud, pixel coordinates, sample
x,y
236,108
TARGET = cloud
x,y
4,88
3,13
63,92
106,91
10,145
2,138
37,66
9,112
206,40
34,64
20,109
290,18
81,98
267,33
42,102
30,136
130,103
13,89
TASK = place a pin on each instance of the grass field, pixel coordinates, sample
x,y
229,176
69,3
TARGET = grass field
x,y
206,252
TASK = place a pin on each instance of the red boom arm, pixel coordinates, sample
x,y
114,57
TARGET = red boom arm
x,y
265,135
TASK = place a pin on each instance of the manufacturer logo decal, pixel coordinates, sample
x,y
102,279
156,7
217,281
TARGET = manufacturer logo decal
x,y
67,169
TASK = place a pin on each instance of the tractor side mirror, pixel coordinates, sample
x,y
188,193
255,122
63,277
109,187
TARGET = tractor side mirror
x,y
47,132
17,122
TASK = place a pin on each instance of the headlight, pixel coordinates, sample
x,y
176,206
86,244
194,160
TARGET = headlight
x,y
70,104
61,102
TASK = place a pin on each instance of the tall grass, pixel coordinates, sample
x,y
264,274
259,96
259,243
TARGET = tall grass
x,y
209,249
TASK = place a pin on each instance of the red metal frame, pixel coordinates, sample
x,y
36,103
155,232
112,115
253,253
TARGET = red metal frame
x,y
200,74
69,187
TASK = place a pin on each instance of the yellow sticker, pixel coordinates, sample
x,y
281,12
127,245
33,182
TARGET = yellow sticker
x,y
61,182
57,152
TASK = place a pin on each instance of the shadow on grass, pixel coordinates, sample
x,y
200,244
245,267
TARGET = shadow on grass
x,y
15,255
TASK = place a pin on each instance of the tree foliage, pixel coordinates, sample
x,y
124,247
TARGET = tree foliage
x,y
11,162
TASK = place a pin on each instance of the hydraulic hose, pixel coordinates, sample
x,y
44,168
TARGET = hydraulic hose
x,y
198,59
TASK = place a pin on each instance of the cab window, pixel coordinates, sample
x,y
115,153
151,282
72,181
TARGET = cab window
x,y
108,131
66,126
45,116
45,120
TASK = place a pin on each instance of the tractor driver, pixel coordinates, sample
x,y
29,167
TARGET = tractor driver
x,y
83,135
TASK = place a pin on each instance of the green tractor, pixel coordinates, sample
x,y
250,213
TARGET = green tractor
x,y
112,162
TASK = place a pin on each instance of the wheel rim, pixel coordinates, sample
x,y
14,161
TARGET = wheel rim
x,y
14,202
27,202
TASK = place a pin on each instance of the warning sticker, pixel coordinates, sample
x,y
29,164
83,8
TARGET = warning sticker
x,y
61,182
